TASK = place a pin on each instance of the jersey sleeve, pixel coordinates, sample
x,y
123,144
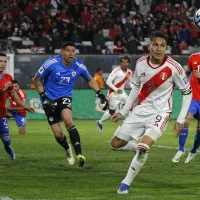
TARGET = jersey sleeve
x,y
135,78
110,80
189,64
182,82
10,88
45,69
83,70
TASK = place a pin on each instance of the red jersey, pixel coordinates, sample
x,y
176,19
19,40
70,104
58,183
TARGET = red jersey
x,y
194,64
4,94
22,95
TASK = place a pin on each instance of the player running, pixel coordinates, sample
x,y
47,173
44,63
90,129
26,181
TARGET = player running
x,y
59,75
194,110
16,111
116,82
6,88
153,83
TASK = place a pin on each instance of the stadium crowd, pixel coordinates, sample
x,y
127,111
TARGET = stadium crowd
x,y
107,26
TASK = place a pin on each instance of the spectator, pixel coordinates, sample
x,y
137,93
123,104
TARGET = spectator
x,y
57,41
99,39
43,41
195,49
119,48
85,16
108,51
132,45
183,45
114,32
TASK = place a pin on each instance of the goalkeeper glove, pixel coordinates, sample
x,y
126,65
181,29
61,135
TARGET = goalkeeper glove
x,y
47,104
104,101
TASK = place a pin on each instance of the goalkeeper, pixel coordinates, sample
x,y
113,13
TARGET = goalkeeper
x,y
54,82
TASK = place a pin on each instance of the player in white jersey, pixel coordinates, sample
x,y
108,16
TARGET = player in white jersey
x,y
116,95
153,83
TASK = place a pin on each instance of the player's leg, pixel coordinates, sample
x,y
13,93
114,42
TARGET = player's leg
x,y
155,126
113,102
5,138
54,120
74,135
21,123
182,138
196,145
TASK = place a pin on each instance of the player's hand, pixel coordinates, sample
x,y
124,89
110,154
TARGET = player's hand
x,y
46,103
104,101
178,128
29,109
196,74
119,91
8,107
116,117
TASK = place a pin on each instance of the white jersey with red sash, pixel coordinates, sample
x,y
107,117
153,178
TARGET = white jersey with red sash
x,y
117,79
157,84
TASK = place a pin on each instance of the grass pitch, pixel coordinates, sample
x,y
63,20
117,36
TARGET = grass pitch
x,y
41,171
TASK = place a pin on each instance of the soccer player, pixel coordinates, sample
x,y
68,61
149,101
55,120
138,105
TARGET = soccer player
x,y
153,83
6,88
194,110
116,94
59,75
100,82
16,111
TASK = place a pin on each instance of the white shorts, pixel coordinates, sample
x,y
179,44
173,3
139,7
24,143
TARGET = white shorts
x,y
134,126
115,99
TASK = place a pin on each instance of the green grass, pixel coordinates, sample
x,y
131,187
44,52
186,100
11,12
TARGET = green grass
x,y
41,170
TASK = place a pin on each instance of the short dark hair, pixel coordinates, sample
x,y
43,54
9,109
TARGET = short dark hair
x,y
15,81
125,58
99,69
3,54
159,34
65,44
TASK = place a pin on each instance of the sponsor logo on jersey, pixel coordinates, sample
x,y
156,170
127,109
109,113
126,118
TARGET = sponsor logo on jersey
x,y
143,74
163,76
58,73
195,62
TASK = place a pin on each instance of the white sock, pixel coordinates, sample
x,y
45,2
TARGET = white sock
x,y
130,146
105,117
136,164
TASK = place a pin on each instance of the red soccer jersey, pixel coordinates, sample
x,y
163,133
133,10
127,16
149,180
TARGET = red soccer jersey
x,y
22,95
194,64
4,94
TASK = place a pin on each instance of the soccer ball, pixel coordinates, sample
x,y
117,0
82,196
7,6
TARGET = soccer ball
x,y
197,19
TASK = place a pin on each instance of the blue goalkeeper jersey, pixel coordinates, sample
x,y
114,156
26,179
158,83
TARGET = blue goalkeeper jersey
x,y
59,80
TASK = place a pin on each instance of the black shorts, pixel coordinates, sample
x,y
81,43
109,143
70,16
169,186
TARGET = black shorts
x,y
60,104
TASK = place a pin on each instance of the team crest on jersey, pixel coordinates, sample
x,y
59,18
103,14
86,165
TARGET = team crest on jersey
x,y
163,76
73,73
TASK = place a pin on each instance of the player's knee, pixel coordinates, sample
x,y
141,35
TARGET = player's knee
x,y
115,144
187,123
112,112
6,140
142,149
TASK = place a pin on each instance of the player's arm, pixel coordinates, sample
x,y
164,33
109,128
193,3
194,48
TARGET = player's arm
x,y
110,79
9,107
37,80
132,98
182,83
16,98
92,83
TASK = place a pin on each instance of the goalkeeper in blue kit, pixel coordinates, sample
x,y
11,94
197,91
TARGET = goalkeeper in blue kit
x,y
54,82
